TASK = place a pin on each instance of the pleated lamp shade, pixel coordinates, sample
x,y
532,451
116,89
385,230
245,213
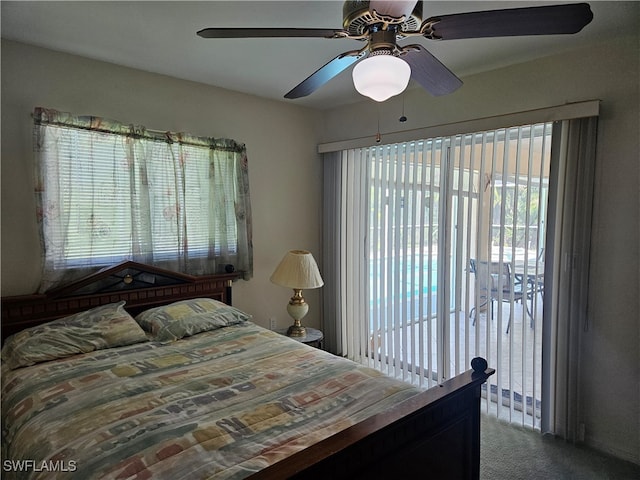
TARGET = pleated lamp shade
x,y
298,269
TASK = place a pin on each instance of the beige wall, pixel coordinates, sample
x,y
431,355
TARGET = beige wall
x,y
610,350
284,169
285,175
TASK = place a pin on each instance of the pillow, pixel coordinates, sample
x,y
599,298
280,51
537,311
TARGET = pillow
x,y
188,317
101,327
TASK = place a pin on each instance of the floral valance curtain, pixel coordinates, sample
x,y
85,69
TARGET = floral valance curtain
x,y
108,192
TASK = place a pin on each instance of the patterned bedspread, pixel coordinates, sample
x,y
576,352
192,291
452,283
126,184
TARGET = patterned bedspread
x,y
221,404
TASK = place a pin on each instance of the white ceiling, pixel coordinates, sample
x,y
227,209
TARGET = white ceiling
x,y
161,37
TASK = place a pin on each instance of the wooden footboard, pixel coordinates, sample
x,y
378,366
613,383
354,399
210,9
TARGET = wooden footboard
x,y
434,435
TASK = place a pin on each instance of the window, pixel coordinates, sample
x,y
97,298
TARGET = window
x,y
520,197
108,192
435,208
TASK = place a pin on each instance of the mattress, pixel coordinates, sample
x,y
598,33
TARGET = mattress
x,y
219,404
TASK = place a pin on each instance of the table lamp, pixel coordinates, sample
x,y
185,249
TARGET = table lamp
x,y
297,270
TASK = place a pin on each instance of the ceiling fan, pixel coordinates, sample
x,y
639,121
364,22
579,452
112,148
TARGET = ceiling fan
x,y
387,66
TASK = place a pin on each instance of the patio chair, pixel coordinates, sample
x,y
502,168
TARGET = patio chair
x,y
494,282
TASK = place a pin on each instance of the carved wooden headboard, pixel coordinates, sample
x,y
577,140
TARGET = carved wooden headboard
x,y
141,286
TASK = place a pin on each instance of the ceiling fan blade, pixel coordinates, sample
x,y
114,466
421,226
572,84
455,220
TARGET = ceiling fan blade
x,y
429,72
393,8
545,20
325,73
230,32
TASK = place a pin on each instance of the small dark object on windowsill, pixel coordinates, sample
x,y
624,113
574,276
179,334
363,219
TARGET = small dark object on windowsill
x,y
229,268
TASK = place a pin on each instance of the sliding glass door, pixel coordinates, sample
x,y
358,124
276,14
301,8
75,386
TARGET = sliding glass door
x,y
440,251
497,217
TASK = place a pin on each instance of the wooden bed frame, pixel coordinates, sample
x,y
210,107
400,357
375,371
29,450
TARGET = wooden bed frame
x,y
434,435
141,286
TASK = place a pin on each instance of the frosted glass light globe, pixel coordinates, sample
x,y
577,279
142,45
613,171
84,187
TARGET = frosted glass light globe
x,y
381,76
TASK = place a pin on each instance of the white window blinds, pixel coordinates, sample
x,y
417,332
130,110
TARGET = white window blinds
x,y
412,224
108,192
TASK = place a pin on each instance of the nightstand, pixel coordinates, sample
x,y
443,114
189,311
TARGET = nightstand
x,y
313,338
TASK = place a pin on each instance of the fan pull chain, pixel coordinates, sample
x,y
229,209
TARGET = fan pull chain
x,y
402,119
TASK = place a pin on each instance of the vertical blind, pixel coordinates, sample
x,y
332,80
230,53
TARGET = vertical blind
x,y
406,220
566,292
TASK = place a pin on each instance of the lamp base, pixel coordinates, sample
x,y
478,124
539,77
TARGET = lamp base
x,y
296,331
297,309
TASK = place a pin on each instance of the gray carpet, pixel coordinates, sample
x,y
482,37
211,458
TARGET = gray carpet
x,y
511,452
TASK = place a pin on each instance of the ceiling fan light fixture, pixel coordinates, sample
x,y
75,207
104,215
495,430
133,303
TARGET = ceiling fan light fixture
x,y
381,76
